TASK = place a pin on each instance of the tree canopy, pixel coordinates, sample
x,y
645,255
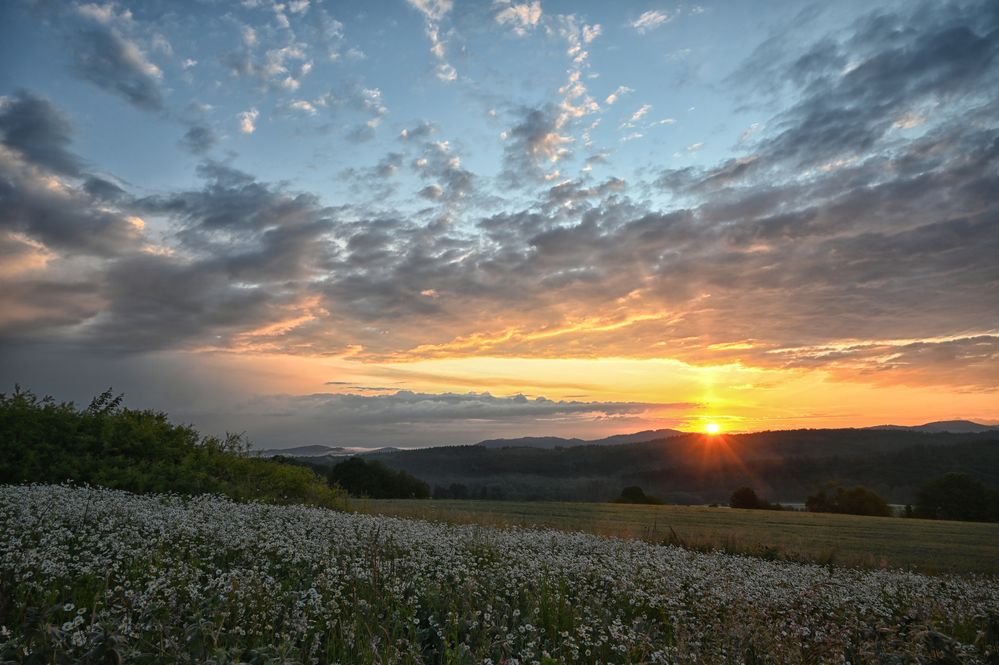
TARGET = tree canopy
x,y
42,441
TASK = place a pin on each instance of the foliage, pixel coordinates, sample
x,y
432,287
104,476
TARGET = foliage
x,y
635,494
691,470
42,441
373,479
957,496
746,497
850,501
93,575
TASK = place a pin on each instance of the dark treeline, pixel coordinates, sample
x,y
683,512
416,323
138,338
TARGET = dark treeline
x,y
42,441
848,501
369,478
952,496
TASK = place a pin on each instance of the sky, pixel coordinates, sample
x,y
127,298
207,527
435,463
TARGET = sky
x,y
423,222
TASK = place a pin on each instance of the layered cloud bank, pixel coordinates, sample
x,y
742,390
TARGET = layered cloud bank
x,y
851,231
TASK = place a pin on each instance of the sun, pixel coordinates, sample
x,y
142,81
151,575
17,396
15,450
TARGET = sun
x,y
712,428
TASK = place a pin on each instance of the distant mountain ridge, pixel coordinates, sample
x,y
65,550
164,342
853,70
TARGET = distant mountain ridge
x,y
550,442
784,465
553,442
953,426
321,451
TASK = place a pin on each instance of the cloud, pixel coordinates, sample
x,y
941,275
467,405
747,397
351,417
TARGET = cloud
x,y
280,69
198,139
451,182
796,252
248,121
406,407
437,417
421,131
40,132
521,17
856,87
434,11
303,106
534,144
361,100
244,255
617,94
651,20
40,196
104,57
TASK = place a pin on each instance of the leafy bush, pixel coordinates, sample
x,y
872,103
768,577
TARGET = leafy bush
x,y
850,501
42,441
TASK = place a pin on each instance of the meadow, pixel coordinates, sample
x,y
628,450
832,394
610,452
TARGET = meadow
x,y
929,546
99,575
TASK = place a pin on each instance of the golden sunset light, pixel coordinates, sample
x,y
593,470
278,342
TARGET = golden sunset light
x,y
304,304
303,232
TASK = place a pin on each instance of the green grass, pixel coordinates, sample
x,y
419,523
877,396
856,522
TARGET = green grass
x,y
929,546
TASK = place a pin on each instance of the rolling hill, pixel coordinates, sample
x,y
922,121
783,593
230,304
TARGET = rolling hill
x,y
695,468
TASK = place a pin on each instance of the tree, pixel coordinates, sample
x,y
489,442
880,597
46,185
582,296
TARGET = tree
x,y
850,501
745,497
954,496
375,480
635,494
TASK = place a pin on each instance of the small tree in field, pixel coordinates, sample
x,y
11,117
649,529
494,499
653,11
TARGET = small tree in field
x,y
953,496
745,497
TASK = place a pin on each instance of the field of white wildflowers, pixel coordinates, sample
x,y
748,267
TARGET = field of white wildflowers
x,y
92,575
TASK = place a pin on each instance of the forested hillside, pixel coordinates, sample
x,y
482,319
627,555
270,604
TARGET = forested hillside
x,y
694,468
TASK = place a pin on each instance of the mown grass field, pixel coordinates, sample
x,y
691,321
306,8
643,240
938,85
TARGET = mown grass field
x,y
929,546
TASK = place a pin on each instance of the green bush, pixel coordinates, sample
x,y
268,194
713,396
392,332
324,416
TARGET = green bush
x,y
42,441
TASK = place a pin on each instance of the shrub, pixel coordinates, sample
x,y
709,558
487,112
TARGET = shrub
x,y
42,441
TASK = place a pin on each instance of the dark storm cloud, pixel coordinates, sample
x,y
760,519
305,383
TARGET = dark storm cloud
x,y
156,302
62,216
249,251
35,128
30,308
115,64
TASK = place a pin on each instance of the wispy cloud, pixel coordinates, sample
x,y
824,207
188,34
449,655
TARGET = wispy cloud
x,y
520,17
434,12
651,20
